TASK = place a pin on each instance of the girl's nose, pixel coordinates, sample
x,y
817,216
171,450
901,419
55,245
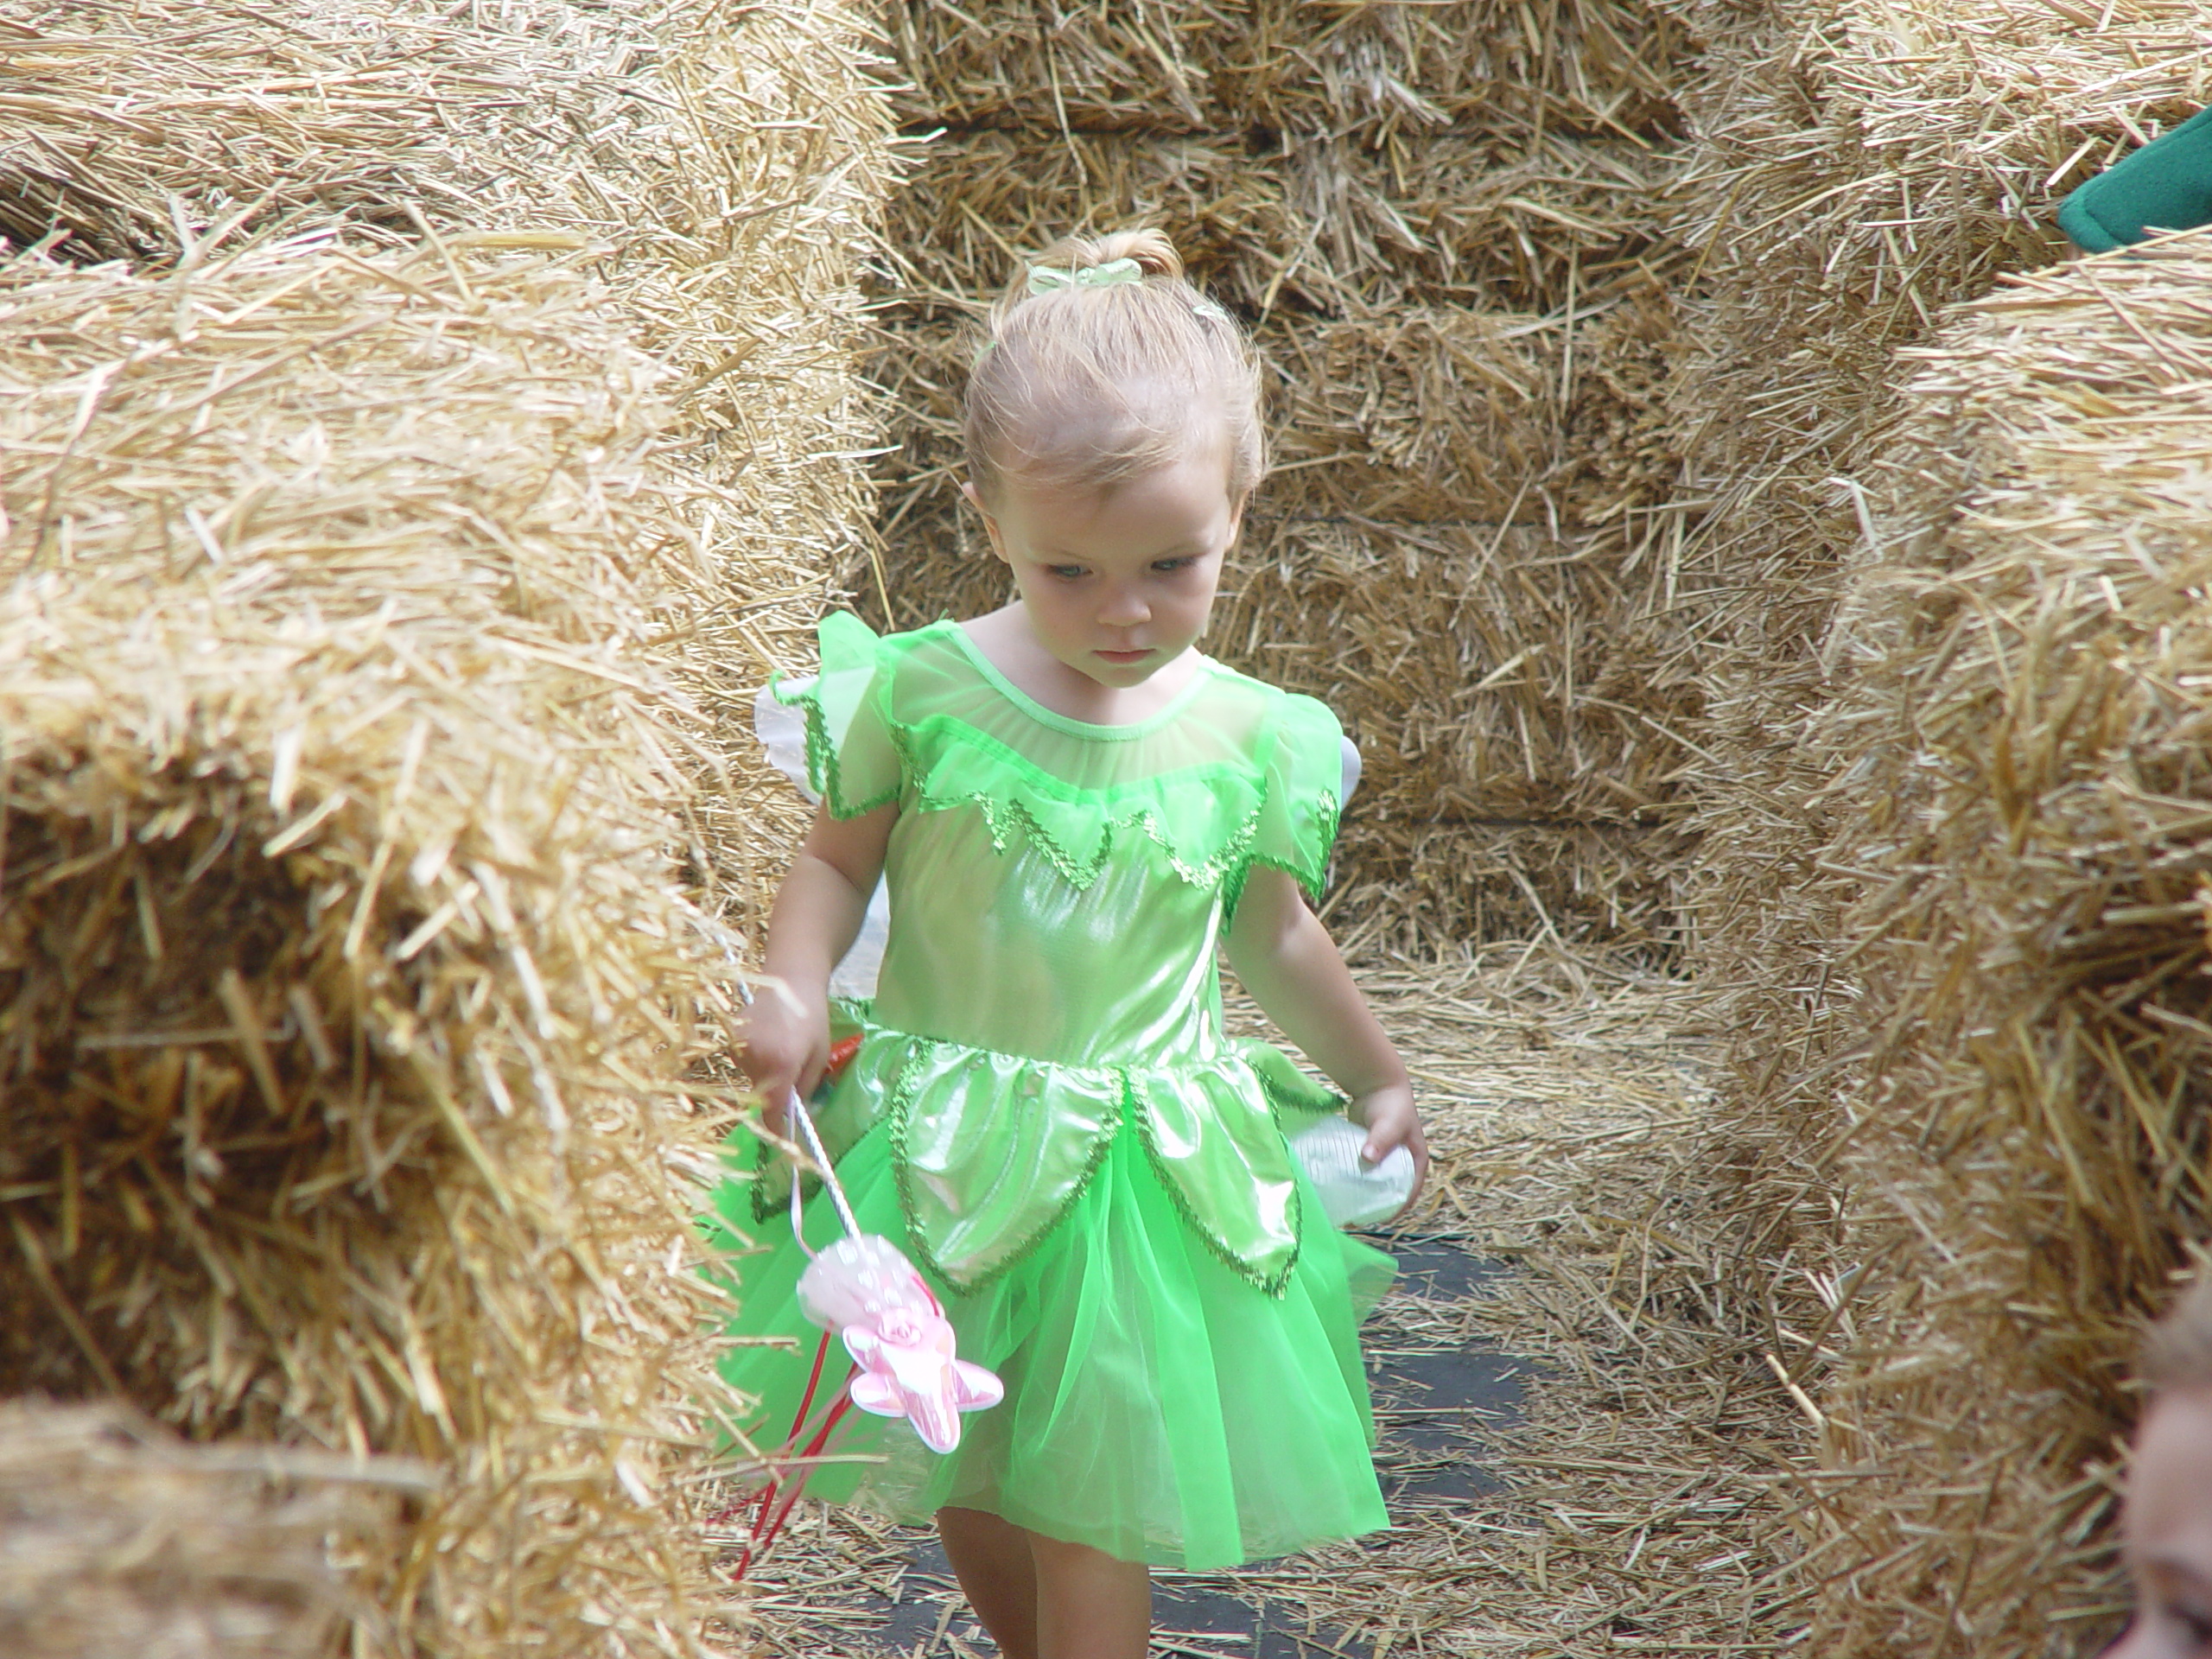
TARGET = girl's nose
x,y
1124,607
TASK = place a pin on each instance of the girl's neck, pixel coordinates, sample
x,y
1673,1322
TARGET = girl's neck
x,y
1008,643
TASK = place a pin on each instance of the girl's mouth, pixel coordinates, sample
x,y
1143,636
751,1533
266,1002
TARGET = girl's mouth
x,y
1125,656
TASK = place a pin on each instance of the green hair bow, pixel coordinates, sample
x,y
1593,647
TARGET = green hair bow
x,y
1044,279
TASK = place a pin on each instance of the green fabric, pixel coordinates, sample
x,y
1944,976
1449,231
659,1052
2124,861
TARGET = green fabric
x,y
1031,850
2165,185
981,1185
1044,1113
1158,1407
1234,771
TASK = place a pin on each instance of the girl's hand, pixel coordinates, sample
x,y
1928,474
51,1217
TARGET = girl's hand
x,y
786,1047
1390,1121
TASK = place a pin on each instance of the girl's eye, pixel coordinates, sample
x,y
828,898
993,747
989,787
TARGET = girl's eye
x,y
1169,567
1065,572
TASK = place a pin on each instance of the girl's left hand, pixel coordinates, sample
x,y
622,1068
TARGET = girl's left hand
x,y
1387,1115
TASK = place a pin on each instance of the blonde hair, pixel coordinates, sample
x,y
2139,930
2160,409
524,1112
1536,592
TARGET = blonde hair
x,y
2178,1353
1090,385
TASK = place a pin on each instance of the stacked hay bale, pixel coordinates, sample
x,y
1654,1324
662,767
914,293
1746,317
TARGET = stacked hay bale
x,y
349,991
1856,169
1441,223
119,1541
383,544
723,163
2018,738
1858,902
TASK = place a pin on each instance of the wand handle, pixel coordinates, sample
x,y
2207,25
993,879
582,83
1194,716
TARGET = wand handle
x,y
799,1115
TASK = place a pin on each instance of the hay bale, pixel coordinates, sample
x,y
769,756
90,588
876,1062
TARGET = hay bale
x,y
1378,72
1856,168
1424,888
119,1541
1855,171
1471,662
350,990
377,755
725,160
133,131
1305,222
2023,813
751,215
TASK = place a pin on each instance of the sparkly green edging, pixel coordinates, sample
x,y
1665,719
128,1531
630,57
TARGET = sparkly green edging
x,y
902,1099
1312,879
1139,1109
1281,1103
1002,815
1226,867
1135,1107
1215,872
766,1208
821,754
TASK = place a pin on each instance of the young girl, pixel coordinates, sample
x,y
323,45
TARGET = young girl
x,y
1074,808
2166,1528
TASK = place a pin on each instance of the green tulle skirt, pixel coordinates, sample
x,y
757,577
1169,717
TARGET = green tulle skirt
x,y
1159,1406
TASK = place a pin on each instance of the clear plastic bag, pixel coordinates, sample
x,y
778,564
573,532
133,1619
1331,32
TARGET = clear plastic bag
x,y
1354,1192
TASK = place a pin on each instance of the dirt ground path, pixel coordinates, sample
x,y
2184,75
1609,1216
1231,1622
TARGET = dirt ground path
x,y
1583,1440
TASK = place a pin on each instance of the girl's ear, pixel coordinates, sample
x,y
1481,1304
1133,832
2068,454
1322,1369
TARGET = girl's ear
x,y
990,524
1236,517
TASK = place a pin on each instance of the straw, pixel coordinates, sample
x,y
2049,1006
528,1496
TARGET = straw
x,y
1382,73
2018,849
1856,170
352,989
724,162
119,1541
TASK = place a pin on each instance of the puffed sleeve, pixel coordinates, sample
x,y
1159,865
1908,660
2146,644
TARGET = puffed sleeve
x,y
1305,773
851,754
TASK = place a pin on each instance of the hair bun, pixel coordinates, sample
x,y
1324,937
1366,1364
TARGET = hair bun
x,y
1154,254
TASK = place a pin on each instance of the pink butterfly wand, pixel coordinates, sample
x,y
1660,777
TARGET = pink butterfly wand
x,y
862,1289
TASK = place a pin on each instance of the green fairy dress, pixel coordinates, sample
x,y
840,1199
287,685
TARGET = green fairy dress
x,y
1045,1114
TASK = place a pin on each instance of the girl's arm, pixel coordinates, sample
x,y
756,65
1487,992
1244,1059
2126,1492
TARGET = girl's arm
x,y
1289,963
817,916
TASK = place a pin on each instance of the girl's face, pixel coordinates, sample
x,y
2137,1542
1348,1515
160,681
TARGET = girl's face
x,y
1117,583
2167,1530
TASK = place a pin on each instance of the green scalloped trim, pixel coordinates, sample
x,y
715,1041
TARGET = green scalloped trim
x,y
1312,880
1215,872
1226,868
1002,815
1272,1285
902,1099
762,1203
1136,1109
822,753
766,1208
1281,1103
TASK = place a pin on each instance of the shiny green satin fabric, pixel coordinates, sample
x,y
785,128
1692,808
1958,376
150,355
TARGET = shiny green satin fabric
x,y
1058,893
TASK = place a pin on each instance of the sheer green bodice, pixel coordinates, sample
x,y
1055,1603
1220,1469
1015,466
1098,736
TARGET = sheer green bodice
x,y
1058,891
